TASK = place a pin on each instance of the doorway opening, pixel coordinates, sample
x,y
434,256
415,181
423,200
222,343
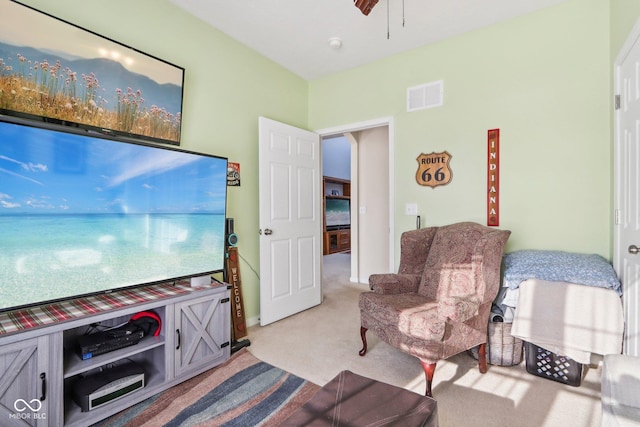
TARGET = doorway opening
x,y
362,154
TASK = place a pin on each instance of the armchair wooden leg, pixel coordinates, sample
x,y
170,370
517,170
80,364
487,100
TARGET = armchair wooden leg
x,y
363,335
429,369
482,358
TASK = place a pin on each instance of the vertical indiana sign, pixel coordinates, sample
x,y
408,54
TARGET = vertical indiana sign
x,y
493,177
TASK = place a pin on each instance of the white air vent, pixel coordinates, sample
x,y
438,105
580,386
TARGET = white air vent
x,y
428,95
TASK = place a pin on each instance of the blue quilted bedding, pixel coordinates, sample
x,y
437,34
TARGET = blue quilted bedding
x,y
583,269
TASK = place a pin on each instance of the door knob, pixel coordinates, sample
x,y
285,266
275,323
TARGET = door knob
x,y
268,231
633,249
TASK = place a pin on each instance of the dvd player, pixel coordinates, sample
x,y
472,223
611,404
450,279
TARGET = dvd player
x,y
105,341
95,390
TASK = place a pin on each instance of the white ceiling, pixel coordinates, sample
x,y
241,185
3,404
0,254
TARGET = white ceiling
x,y
295,33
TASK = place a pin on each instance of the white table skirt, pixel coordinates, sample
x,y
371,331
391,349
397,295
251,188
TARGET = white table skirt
x,y
581,322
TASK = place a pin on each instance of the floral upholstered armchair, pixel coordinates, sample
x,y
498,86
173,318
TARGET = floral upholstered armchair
x,y
438,304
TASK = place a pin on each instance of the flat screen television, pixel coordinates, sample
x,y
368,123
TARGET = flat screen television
x,y
83,214
56,72
337,213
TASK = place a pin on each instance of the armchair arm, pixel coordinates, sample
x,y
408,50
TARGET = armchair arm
x,y
394,283
459,308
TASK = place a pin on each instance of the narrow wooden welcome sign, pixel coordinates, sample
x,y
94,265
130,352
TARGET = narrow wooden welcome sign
x,y
233,277
493,177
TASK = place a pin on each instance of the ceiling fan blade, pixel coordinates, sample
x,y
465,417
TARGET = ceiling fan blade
x,y
365,6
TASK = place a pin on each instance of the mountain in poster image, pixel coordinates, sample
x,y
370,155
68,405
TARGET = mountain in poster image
x,y
111,76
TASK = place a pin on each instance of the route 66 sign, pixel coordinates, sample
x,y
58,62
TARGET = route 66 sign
x,y
434,169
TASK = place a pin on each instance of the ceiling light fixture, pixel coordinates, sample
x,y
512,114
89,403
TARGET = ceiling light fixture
x,y
335,43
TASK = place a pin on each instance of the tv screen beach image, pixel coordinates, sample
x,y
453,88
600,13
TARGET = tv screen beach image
x,y
80,214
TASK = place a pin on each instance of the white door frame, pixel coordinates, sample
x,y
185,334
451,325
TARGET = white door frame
x,y
354,127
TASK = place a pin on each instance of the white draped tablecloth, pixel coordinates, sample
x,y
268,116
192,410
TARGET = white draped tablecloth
x,y
581,322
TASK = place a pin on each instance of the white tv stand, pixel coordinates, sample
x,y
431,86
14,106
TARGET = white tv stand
x,y
39,365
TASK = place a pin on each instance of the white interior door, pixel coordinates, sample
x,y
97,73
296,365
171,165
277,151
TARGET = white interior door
x,y
290,220
627,187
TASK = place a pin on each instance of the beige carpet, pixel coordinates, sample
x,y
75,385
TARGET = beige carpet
x,y
320,342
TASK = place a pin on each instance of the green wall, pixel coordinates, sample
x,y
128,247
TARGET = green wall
x,y
227,86
543,80
624,15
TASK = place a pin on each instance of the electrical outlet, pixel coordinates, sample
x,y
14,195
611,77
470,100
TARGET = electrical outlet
x,y
411,209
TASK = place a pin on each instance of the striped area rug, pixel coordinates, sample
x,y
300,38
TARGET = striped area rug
x,y
243,392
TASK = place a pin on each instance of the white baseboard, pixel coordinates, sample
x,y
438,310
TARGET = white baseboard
x,y
252,321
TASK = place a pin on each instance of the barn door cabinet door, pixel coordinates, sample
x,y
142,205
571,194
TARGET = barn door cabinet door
x,y
29,393
202,329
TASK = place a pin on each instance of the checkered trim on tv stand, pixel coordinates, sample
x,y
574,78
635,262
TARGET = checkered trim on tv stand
x,y
47,314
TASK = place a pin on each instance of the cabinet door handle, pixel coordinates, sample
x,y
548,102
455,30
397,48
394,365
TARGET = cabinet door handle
x,y
43,377
178,334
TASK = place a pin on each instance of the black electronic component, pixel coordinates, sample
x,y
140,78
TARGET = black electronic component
x,y
105,341
232,237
